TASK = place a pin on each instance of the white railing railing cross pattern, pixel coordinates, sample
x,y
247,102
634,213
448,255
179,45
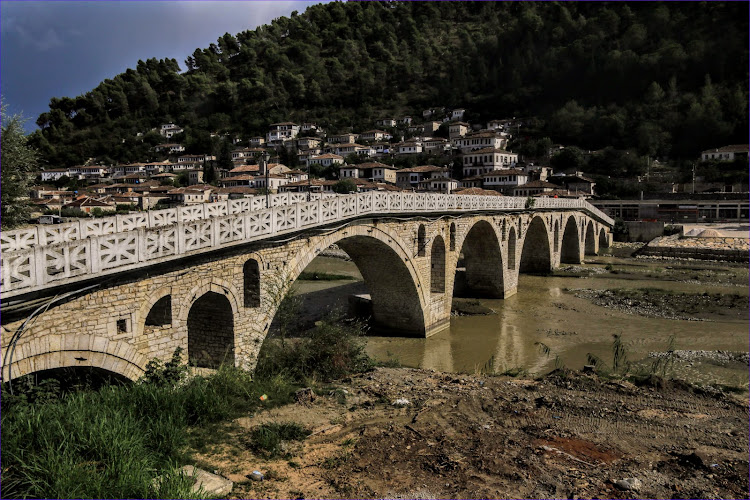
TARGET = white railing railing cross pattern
x,y
43,256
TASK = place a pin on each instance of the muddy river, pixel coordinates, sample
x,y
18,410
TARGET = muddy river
x,y
546,325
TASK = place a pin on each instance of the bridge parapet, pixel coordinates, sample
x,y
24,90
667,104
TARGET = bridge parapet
x,y
45,256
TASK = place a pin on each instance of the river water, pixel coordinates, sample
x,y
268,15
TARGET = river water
x,y
543,312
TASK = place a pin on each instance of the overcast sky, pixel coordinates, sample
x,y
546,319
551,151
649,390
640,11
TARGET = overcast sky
x,y
61,48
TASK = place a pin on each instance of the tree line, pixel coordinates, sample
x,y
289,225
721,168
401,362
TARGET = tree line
x,y
660,78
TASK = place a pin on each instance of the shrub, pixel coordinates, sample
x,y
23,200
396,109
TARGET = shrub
x,y
329,351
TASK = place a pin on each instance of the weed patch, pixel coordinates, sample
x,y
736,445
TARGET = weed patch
x,y
266,439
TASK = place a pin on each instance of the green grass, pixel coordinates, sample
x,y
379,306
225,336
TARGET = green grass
x,y
266,439
112,443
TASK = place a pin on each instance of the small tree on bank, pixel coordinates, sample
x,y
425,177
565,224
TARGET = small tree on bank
x,y
18,160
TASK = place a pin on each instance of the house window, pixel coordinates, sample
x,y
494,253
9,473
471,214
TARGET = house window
x,y
122,326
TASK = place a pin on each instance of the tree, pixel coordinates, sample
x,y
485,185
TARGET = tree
x,y
18,160
345,186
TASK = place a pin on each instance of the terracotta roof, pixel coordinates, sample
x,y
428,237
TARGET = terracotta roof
x,y
459,123
488,151
237,189
245,168
477,191
538,184
327,156
423,169
505,172
374,164
86,202
734,148
312,182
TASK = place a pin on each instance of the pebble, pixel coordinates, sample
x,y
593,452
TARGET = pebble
x,y
629,483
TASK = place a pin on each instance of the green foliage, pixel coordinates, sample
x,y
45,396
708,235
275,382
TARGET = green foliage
x,y
530,202
345,186
113,442
329,351
648,77
18,160
266,439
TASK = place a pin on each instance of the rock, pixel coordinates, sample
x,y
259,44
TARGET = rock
x,y
304,396
255,476
629,484
401,402
212,485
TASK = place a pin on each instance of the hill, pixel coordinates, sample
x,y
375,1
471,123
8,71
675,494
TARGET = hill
x,y
664,78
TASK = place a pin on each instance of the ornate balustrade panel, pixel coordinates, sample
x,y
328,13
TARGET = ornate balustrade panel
x,y
36,257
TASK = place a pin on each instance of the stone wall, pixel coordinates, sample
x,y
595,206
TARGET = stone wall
x,y
200,303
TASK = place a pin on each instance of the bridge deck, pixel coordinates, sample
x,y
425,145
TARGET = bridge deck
x,y
47,256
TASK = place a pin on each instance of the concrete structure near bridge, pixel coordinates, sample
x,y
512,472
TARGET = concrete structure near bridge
x,y
116,292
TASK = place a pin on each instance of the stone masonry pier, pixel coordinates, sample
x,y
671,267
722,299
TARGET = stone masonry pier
x,y
210,279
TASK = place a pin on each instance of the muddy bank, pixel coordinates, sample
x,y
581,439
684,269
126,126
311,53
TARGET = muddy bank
x,y
463,436
657,303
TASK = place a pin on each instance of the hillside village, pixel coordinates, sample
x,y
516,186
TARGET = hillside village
x,y
469,158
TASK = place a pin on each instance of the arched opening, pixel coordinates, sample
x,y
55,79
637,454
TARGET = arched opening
x,y
571,251
358,276
160,314
251,280
512,248
421,241
556,239
437,265
535,254
210,326
482,263
590,248
603,241
453,237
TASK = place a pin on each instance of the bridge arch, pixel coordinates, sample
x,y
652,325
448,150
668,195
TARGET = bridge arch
x,y
556,236
535,254
603,240
154,307
483,261
74,350
512,248
570,248
399,297
251,283
437,265
590,247
209,317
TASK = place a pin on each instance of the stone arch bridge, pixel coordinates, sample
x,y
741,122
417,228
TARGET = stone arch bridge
x,y
115,292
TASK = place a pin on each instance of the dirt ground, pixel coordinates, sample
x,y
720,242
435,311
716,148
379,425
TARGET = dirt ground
x,y
463,436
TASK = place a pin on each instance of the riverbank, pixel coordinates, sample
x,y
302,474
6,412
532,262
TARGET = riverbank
x,y
411,433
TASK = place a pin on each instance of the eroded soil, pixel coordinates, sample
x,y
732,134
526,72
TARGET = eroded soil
x,y
463,436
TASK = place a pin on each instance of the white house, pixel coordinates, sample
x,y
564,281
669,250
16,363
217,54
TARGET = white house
x,y
342,138
410,147
725,153
480,140
386,122
488,159
280,131
170,129
439,185
435,145
457,129
409,178
53,174
375,135
352,148
458,114
504,180
325,160
257,142
170,148
195,158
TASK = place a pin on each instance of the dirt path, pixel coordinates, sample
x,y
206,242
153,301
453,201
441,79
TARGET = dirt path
x,y
463,436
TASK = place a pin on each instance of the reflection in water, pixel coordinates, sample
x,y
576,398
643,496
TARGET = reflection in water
x,y
542,311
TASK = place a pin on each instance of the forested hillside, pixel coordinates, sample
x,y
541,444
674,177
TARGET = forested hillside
x,y
663,78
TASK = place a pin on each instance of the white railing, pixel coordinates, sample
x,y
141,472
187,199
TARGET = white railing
x,y
47,255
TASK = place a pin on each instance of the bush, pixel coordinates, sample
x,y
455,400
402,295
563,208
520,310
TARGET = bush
x,y
113,442
266,439
329,351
